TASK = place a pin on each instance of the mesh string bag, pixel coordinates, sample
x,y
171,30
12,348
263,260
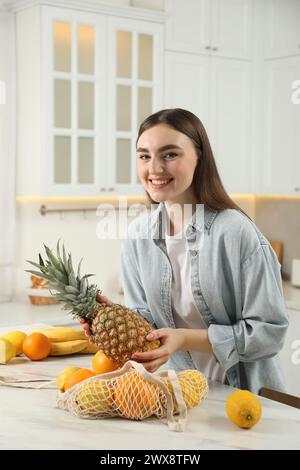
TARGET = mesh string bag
x,y
134,393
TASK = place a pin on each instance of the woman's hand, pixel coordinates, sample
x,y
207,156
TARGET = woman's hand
x,y
102,299
171,341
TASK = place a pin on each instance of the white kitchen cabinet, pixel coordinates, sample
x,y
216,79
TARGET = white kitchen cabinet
x,y
87,80
218,91
278,172
187,78
188,29
290,354
282,28
136,92
231,114
220,28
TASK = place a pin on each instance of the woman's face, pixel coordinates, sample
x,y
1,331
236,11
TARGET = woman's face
x,y
166,161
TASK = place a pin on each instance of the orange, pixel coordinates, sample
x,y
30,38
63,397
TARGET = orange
x,y
36,346
102,364
62,377
78,376
135,397
243,408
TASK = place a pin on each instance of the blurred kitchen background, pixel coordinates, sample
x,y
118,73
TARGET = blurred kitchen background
x,y
76,80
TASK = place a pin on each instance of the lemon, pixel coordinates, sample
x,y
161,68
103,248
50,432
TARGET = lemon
x,y
7,351
243,408
63,376
94,397
16,338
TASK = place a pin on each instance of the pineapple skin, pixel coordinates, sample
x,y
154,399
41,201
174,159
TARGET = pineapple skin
x,y
119,332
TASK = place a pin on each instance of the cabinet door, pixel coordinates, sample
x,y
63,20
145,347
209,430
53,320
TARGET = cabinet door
x,y
187,79
232,25
230,127
74,84
280,166
135,70
290,354
188,25
282,20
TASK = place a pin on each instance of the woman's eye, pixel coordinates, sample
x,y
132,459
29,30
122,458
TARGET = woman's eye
x,y
171,155
143,157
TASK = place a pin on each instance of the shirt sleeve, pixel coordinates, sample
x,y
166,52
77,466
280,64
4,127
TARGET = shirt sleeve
x,y
260,332
134,294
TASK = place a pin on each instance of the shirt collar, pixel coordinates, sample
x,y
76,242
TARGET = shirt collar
x,y
202,216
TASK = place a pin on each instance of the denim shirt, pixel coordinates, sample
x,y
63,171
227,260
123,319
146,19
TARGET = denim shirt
x,y
236,284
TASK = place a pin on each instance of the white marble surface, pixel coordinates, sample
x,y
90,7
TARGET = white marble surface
x,y
30,419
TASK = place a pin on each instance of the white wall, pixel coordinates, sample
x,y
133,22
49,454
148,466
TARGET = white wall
x,y
79,233
151,4
7,153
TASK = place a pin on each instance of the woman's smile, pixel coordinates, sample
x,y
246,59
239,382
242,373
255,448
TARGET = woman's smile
x,y
160,184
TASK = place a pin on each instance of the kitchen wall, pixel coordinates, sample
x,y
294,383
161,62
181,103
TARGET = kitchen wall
x,y
79,231
279,219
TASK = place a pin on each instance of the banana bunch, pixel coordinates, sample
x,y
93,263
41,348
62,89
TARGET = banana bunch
x,y
68,340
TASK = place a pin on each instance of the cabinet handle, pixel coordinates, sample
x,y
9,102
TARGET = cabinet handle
x,y
207,48
297,189
111,189
215,48
103,189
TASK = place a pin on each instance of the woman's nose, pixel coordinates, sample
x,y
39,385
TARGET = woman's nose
x,y
156,166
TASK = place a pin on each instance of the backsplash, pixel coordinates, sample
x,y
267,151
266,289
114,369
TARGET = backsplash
x,y
278,218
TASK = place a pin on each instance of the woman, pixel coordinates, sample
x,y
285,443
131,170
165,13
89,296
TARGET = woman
x,y
197,267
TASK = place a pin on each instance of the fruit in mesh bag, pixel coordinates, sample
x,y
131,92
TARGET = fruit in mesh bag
x,y
117,330
194,388
77,377
135,397
95,397
63,376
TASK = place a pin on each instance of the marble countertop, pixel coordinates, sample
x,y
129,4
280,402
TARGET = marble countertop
x,y
31,420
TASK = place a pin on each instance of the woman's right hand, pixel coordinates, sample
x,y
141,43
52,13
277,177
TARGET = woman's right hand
x,y
102,299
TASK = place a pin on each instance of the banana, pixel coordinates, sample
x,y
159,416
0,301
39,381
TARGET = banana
x,y
90,349
63,333
64,348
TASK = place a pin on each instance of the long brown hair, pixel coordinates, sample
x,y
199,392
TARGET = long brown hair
x,y
207,183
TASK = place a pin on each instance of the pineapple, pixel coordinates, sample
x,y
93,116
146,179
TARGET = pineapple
x,y
116,330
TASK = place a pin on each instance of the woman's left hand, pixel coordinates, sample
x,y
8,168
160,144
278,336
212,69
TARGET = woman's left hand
x,y
171,340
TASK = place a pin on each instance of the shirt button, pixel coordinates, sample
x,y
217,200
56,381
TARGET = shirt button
x,y
194,252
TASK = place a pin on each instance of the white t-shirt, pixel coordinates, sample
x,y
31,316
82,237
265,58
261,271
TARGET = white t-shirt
x,y
185,311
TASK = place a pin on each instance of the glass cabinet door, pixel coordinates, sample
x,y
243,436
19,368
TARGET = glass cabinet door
x,y
102,76
76,79
136,71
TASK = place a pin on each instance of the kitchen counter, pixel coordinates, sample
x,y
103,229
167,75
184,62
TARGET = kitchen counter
x,y
31,420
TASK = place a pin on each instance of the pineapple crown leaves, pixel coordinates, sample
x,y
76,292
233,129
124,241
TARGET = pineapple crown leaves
x,y
73,290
